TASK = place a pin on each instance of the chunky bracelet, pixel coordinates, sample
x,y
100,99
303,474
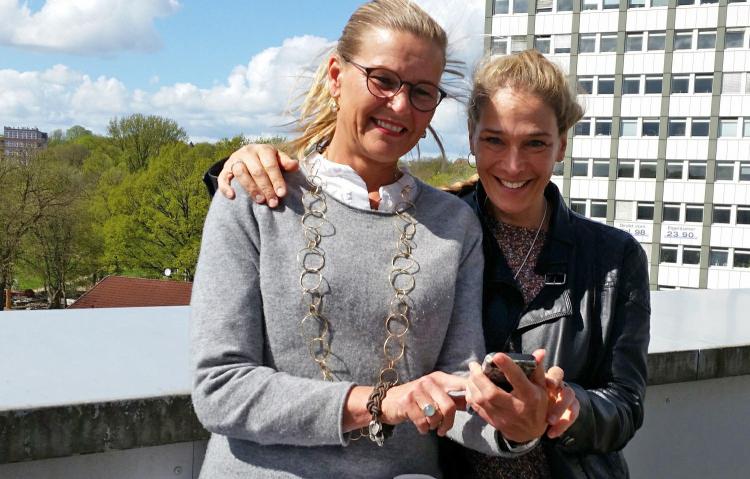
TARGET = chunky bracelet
x,y
377,431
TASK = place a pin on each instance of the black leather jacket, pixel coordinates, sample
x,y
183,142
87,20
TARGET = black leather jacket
x,y
592,317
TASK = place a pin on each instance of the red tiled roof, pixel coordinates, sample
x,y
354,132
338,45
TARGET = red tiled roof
x,y
123,292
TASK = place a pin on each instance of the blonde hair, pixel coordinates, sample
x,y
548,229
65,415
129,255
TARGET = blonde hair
x,y
316,121
529,71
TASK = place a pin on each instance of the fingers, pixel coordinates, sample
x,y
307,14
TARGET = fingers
x,y
538,375
224,178
568,416
257,169
554,378
408,402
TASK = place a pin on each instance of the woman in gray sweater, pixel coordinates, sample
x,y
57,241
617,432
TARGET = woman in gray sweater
x,y
319,326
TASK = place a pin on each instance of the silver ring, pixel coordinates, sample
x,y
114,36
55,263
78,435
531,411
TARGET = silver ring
x,y
429,410
231,167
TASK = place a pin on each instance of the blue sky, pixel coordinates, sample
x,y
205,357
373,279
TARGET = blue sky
x,y
218,68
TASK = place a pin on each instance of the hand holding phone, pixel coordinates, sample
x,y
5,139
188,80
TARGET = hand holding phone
x,y
526,362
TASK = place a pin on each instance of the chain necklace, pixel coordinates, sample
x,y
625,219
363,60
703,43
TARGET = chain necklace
x,y
538,230
311,259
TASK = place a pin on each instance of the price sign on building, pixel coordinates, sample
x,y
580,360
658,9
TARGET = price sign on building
x,y
681,234
643,232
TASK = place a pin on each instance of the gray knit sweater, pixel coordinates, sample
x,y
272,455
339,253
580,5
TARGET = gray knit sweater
x,y
256,388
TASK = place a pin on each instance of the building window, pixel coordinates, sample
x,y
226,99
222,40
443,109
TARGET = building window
x,y
685,2
501,6
605,85
741,258
520,6
671,212
706,39
583,127
653,85
564,5
600,169
718,257
543,6
676,127
499,45
743,215
674,170
691,255
650,127
558,169
681,84
542,44
629,127
734,39
611,4
645,212
668,254
647,169
746,128
683,40
631,85
744,172
694,214
699,127
562,43
587,43
580,168
636,3
656,41
732,83
589,4
724,171
598,209
722,214
634,42
727,127
696,170
579,206
608,42
603,127
517,43
586,85
703,84
626,169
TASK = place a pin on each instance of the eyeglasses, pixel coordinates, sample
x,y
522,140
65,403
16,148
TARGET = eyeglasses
x,y
384,83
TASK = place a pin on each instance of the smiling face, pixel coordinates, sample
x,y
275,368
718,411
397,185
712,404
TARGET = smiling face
x,y
516,141
378,131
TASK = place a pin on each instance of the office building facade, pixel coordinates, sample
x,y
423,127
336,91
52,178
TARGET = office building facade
x,y
664,148
20,141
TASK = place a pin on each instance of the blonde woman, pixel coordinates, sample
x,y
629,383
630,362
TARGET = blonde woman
x,y
552,279
319,326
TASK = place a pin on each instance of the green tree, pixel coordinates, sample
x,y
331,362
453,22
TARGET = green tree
x,y
157,214
75,132
27,193
141,137
60,247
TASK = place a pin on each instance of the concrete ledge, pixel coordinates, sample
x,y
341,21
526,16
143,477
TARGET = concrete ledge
x,y
63,431
696,365
99,427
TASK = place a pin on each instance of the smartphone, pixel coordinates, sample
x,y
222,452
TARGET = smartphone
x,y
526,362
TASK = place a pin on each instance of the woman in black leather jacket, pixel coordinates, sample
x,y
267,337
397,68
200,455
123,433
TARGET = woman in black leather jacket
x,y
553,279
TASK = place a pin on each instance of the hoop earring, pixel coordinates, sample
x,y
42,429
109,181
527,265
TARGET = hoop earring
x,y
469,157
333,105
424,134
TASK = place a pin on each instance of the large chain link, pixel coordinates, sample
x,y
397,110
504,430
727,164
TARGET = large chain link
x,y
314,326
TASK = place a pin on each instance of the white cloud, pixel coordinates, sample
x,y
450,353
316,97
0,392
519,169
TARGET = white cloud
x,y
101,27
252,99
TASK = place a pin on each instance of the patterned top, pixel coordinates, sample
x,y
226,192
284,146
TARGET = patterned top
x,y
514,242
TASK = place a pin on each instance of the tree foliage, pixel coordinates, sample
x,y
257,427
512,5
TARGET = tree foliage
x,y
140,137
